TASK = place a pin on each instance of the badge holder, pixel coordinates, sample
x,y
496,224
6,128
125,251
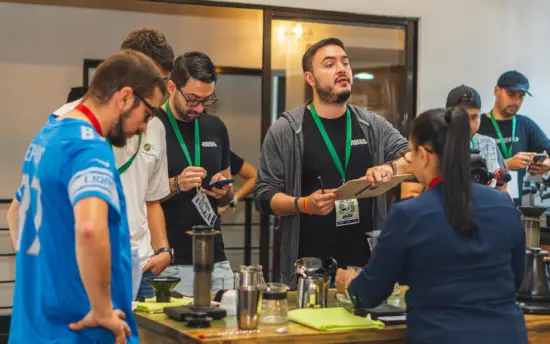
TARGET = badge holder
x,y
204,207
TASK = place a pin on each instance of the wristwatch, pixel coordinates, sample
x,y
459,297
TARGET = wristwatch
x,y
233,203
166,249
393,166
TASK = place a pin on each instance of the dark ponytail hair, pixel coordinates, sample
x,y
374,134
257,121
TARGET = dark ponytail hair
x,y
447,131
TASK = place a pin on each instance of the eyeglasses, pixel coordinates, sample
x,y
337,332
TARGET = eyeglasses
x,y
210,100
407,155
152,110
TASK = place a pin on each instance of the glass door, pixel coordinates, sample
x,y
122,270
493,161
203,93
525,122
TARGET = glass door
x,y
377,57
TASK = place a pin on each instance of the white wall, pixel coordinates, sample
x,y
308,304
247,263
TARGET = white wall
x,y
467,41
43,48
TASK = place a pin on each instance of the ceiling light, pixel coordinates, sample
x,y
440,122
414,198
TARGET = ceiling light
x,y
363,76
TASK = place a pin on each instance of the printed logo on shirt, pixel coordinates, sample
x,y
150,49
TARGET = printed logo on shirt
x,y
210,144
359,142
147,147
508,139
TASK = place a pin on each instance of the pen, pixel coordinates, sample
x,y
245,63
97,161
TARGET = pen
x,y
321,182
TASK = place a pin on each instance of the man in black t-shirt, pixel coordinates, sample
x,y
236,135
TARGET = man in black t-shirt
x,y
518,137
311,151
197,147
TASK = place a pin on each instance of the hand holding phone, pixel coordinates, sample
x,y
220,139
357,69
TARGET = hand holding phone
x,y
218,184
539,158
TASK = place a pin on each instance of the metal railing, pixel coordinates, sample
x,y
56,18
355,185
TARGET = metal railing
x,y
6,201
247,232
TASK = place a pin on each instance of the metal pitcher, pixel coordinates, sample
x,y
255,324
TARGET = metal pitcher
x,y
314,276
250,287
313,291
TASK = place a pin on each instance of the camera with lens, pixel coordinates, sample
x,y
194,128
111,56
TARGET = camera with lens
x,y
478,168
480,174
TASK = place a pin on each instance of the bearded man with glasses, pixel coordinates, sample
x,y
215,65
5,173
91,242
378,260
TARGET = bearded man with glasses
x,y
142,166
197,146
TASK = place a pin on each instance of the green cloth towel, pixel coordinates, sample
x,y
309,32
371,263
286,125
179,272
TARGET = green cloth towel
x,y
332,319
151,305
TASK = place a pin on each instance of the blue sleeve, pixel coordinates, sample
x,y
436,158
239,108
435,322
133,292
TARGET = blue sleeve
x,y
92,174
518,250
375,282
19,193
538,141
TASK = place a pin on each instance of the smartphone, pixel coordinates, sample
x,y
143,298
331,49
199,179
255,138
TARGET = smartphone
x,y
220,183
539,158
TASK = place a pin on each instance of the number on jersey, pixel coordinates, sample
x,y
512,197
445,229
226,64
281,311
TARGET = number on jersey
x,y
26,202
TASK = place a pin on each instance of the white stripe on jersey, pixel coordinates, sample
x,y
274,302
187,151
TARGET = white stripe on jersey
x,y
94,180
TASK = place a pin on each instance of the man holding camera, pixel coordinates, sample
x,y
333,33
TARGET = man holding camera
x,y
469,99
518,137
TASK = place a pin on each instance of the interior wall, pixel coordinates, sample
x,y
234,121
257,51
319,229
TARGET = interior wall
x,y
466,42
47,46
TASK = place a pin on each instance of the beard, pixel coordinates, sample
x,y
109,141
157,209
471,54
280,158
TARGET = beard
x,y
116,136
327,94
187,115
509,111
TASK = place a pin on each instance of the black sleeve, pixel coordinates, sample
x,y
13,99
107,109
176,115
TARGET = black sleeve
x,y
236,163
226,148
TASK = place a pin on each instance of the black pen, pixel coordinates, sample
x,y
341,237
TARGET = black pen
x,y
321,182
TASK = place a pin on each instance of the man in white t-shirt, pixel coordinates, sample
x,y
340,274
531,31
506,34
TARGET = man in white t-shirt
x,y
143,166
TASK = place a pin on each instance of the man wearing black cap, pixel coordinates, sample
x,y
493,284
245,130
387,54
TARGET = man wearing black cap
x,y
468,99
518,137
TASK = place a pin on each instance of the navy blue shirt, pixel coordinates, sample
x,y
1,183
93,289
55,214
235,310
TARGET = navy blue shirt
x,y
529,138
461,290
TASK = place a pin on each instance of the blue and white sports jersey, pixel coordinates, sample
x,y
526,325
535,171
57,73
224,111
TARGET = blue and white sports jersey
x,y
66,162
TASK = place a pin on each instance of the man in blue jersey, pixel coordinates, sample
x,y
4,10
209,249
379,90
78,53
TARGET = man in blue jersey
x,y
143,166
73,263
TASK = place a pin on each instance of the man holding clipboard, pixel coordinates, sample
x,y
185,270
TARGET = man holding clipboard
x,y
316,148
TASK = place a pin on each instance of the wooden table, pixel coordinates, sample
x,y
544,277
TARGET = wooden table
x,y
160,329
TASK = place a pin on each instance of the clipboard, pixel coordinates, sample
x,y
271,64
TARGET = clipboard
x,y
361,188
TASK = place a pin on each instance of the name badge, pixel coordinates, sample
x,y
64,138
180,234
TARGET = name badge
x,y
513,186
347,212
204,208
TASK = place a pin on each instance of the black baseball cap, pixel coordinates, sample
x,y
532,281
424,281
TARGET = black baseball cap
x,y
464,95
514,81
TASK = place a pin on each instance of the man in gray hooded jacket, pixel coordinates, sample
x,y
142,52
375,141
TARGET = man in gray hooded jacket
x,y
311,150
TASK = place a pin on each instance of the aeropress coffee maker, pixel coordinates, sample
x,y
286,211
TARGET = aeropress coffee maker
x,y
534,294
200,312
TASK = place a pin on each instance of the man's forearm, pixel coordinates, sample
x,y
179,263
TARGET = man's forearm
x,y
157,225
172,189
227,198
12,217
403,167
283,205
245,189
93,254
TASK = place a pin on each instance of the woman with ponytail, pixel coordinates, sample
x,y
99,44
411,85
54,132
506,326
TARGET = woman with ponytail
x,y
459,246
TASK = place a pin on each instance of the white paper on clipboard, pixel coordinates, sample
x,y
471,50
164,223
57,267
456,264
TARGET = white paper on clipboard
x,y
361,188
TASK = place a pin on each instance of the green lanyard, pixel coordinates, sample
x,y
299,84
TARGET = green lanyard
x,y
124,167
180,138
507,152
330,147
473,143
